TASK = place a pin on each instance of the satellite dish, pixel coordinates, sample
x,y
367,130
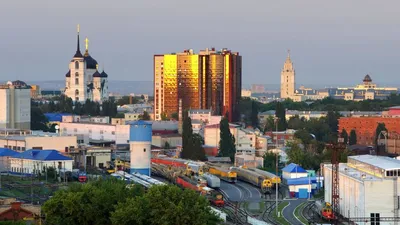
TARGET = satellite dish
x,y
57,127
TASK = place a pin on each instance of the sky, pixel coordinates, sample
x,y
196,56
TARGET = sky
x,y
331,42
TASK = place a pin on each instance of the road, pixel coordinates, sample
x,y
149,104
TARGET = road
x,y
288,211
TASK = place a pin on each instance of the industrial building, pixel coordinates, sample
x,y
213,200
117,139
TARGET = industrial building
x,y
368,188
140,147
33,161
15,101
210,79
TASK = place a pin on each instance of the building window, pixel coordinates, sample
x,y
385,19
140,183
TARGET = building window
x,y
144,150
76,65
375,219
90,131
113,132
76,92
75,130
101,131
76,81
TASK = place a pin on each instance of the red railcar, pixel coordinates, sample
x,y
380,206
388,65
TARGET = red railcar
x,y
170,162
187,183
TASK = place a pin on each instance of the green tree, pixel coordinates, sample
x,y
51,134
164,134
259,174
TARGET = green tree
x,y
88,204
295,123
145,116
198,152
164,116
38,119
294,153
378,132
332,119
270,161
345,136
280,113
12,223
78,109
187,134
109,108
269,124
167,145
165,205
66,104
304,136
254,114
175,116
353,137
227,140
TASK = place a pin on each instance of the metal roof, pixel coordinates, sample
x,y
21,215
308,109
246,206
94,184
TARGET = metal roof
x,y
301,181
7,152
42,155
294,168
382,162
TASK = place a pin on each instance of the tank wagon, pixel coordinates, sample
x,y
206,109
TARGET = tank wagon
x,y
254,178
223,173
324,210
274,178
212,181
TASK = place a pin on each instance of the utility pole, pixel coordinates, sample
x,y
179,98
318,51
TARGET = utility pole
x,y
336,149
276,166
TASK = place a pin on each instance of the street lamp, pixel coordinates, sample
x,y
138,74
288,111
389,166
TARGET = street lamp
x,y
276,165
384,133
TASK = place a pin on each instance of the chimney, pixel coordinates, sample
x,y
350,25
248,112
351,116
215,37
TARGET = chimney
x,y
16,205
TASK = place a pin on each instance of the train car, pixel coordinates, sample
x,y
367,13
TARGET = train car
x,y
194,168
215,197
223,174
79,175
170,161
185,182
212,181
254,178
274,178
324,209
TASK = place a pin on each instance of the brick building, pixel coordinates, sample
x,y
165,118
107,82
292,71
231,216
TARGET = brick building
x,y
365,127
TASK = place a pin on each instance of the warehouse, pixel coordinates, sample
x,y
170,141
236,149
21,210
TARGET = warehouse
x,y
368,187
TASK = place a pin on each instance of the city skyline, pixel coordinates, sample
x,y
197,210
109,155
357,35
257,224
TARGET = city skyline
x,y
362,40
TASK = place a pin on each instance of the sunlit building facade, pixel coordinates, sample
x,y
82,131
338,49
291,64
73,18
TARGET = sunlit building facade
x,y
208,80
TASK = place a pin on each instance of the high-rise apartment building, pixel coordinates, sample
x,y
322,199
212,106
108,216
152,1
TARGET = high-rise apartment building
x,y
208,80
15,101
288,79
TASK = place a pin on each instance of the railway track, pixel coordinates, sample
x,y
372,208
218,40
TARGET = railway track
x,y
267,215
309,214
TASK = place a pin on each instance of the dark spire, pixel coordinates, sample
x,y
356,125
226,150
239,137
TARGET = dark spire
x,y
78,48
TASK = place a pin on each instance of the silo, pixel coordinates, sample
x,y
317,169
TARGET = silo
x,y
140,147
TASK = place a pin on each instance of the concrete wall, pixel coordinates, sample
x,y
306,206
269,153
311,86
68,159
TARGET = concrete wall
x,y
58,143
173,141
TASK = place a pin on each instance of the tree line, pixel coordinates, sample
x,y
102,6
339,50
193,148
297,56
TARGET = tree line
x,y
111,201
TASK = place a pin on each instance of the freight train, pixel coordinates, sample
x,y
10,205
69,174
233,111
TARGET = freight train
x,y
212,181
224,174
324,209
177,176
274,178
254,178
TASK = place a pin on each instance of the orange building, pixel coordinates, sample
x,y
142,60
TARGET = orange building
x,y
365,127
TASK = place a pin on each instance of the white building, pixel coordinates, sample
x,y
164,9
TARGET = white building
x,y
98,131
5,155
368,187
83,80
15,101
33,161
246,93
85,119
39,140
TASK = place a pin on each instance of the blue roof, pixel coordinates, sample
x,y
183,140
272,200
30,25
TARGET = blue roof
x,y
140,122
294,168
7,152
302,180
56,117
42,155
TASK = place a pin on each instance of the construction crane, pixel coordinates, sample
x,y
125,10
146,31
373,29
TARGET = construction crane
x,y
336,149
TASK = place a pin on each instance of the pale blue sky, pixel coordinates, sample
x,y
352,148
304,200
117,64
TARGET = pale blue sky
x,y
331,42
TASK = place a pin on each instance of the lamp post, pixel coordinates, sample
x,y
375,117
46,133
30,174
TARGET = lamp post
x,y
384,133
276,167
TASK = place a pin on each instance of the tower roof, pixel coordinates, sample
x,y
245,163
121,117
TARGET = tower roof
x,y
103,74
96,74
91,63
367,78
78,53
68,74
